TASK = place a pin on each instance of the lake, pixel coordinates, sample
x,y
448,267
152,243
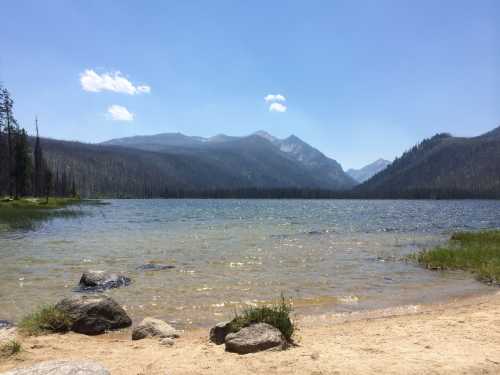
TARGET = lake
x,y
328,255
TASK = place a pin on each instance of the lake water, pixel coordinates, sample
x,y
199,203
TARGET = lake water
x,y
328,255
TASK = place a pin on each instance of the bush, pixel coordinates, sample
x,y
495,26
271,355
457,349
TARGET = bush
x,y
10,348
47,319
277,315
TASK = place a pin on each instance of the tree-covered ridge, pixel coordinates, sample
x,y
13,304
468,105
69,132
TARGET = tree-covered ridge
x,y
442,164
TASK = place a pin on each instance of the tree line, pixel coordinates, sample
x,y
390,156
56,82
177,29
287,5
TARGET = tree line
x,y
23,168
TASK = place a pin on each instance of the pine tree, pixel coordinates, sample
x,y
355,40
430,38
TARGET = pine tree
x,y
23,166
6,108
47,178
38,165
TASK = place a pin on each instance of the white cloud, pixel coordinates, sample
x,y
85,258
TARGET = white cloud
x,y
277,107
115,81
274,98
120,113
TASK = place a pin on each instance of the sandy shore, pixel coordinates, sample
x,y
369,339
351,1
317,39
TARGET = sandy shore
x,y
461,337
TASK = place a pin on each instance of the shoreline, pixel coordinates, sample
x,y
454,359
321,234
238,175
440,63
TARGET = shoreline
x,y
459,336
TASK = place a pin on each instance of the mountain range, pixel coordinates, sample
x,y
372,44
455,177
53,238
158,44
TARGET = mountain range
x,y
157,165
254,152
161,164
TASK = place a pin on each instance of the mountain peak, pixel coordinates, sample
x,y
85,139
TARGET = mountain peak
x,y
368,171
266,135
293,138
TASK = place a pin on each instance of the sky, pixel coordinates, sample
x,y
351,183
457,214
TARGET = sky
x,y
359,80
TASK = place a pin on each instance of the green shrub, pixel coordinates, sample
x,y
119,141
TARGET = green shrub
x,y
10,348
277,315
476,252
47,319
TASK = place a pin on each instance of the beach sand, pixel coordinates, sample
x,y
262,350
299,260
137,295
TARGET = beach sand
x,y
458,337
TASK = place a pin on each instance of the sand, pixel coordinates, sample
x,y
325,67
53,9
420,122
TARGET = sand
x,y
459,337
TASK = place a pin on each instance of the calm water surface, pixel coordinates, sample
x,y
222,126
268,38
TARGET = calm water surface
x,y
335,255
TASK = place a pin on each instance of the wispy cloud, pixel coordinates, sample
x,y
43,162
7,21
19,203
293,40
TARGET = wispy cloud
x,y
115,81
277,107
274,98
120,113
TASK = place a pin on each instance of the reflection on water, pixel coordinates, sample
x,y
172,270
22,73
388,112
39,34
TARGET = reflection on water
x,y
340,255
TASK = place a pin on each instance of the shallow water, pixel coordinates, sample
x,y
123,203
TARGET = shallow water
x,y
332,255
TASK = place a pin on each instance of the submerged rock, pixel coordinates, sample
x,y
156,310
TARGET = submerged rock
x,y
151,327
219,332
255,338
92,315
61,368
97,281
154,267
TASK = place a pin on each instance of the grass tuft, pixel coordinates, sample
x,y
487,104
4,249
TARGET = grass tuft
x,y
10,348
46,319
476,252
277,315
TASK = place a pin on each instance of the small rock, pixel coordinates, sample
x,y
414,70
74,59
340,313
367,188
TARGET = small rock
x,y
167,341
98,281
5,324
61,368
151,327
255,338
154,267
92,315
219,332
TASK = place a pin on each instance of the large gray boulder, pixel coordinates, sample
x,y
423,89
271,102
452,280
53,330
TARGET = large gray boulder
x,y
92,315
219,332
255,338
151,327
98,281
61,368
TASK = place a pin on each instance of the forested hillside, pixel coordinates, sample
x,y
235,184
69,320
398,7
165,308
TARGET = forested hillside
x,y
260,153
442,167
113,171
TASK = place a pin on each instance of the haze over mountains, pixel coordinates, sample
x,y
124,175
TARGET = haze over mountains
x,y
170,164
368,171
323,172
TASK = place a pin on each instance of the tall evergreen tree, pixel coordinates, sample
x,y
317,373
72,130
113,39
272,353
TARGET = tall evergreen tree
x,y
23,164
6,108
38,187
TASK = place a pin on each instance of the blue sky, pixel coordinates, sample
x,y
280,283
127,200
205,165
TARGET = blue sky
x,y
361,79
